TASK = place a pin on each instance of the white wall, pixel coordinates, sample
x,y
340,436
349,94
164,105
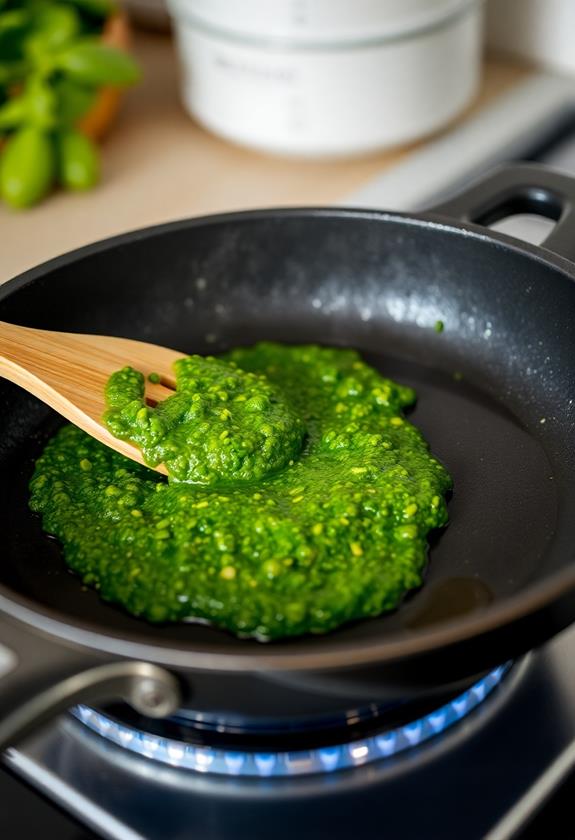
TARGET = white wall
x,y
539,30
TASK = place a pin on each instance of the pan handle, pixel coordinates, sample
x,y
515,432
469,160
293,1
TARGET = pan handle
x,y
41,676
523,188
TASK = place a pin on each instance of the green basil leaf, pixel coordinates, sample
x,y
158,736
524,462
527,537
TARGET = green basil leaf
x,y
13,113
73,100
27,167
41,103
78,162
52,27
93,63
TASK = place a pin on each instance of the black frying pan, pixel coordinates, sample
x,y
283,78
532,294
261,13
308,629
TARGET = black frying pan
x,y
496,401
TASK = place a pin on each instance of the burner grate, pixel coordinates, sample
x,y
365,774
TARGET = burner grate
x,y
227,762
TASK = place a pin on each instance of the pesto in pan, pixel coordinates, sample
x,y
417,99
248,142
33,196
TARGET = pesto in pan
x,y
299,496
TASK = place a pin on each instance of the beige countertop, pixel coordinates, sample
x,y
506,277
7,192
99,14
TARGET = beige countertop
x,y
158,165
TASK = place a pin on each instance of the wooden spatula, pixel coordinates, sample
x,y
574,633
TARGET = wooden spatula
x,y
69,372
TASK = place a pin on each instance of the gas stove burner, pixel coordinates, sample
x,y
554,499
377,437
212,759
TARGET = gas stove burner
x,y
228,762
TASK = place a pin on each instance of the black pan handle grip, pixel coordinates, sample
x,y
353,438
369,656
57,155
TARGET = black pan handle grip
x,y
41,676
522,188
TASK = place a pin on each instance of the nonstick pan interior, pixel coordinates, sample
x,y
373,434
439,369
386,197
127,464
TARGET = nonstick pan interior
x,y
495,388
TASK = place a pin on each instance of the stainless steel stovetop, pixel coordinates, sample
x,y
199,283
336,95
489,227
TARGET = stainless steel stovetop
x,y
489,773
511,740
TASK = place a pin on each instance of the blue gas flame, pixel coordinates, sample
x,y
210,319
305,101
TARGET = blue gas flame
x,y
294,763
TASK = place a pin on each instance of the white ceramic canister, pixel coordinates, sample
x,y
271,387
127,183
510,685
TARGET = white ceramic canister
x,y
320,78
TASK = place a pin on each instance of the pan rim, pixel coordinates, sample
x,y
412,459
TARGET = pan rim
x,y
430,219
293,655
215,658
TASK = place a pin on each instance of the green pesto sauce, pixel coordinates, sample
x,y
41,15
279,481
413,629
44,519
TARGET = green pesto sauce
x,y
316,513
223,424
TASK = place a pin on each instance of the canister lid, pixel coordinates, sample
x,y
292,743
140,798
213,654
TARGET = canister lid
x,y
314,22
